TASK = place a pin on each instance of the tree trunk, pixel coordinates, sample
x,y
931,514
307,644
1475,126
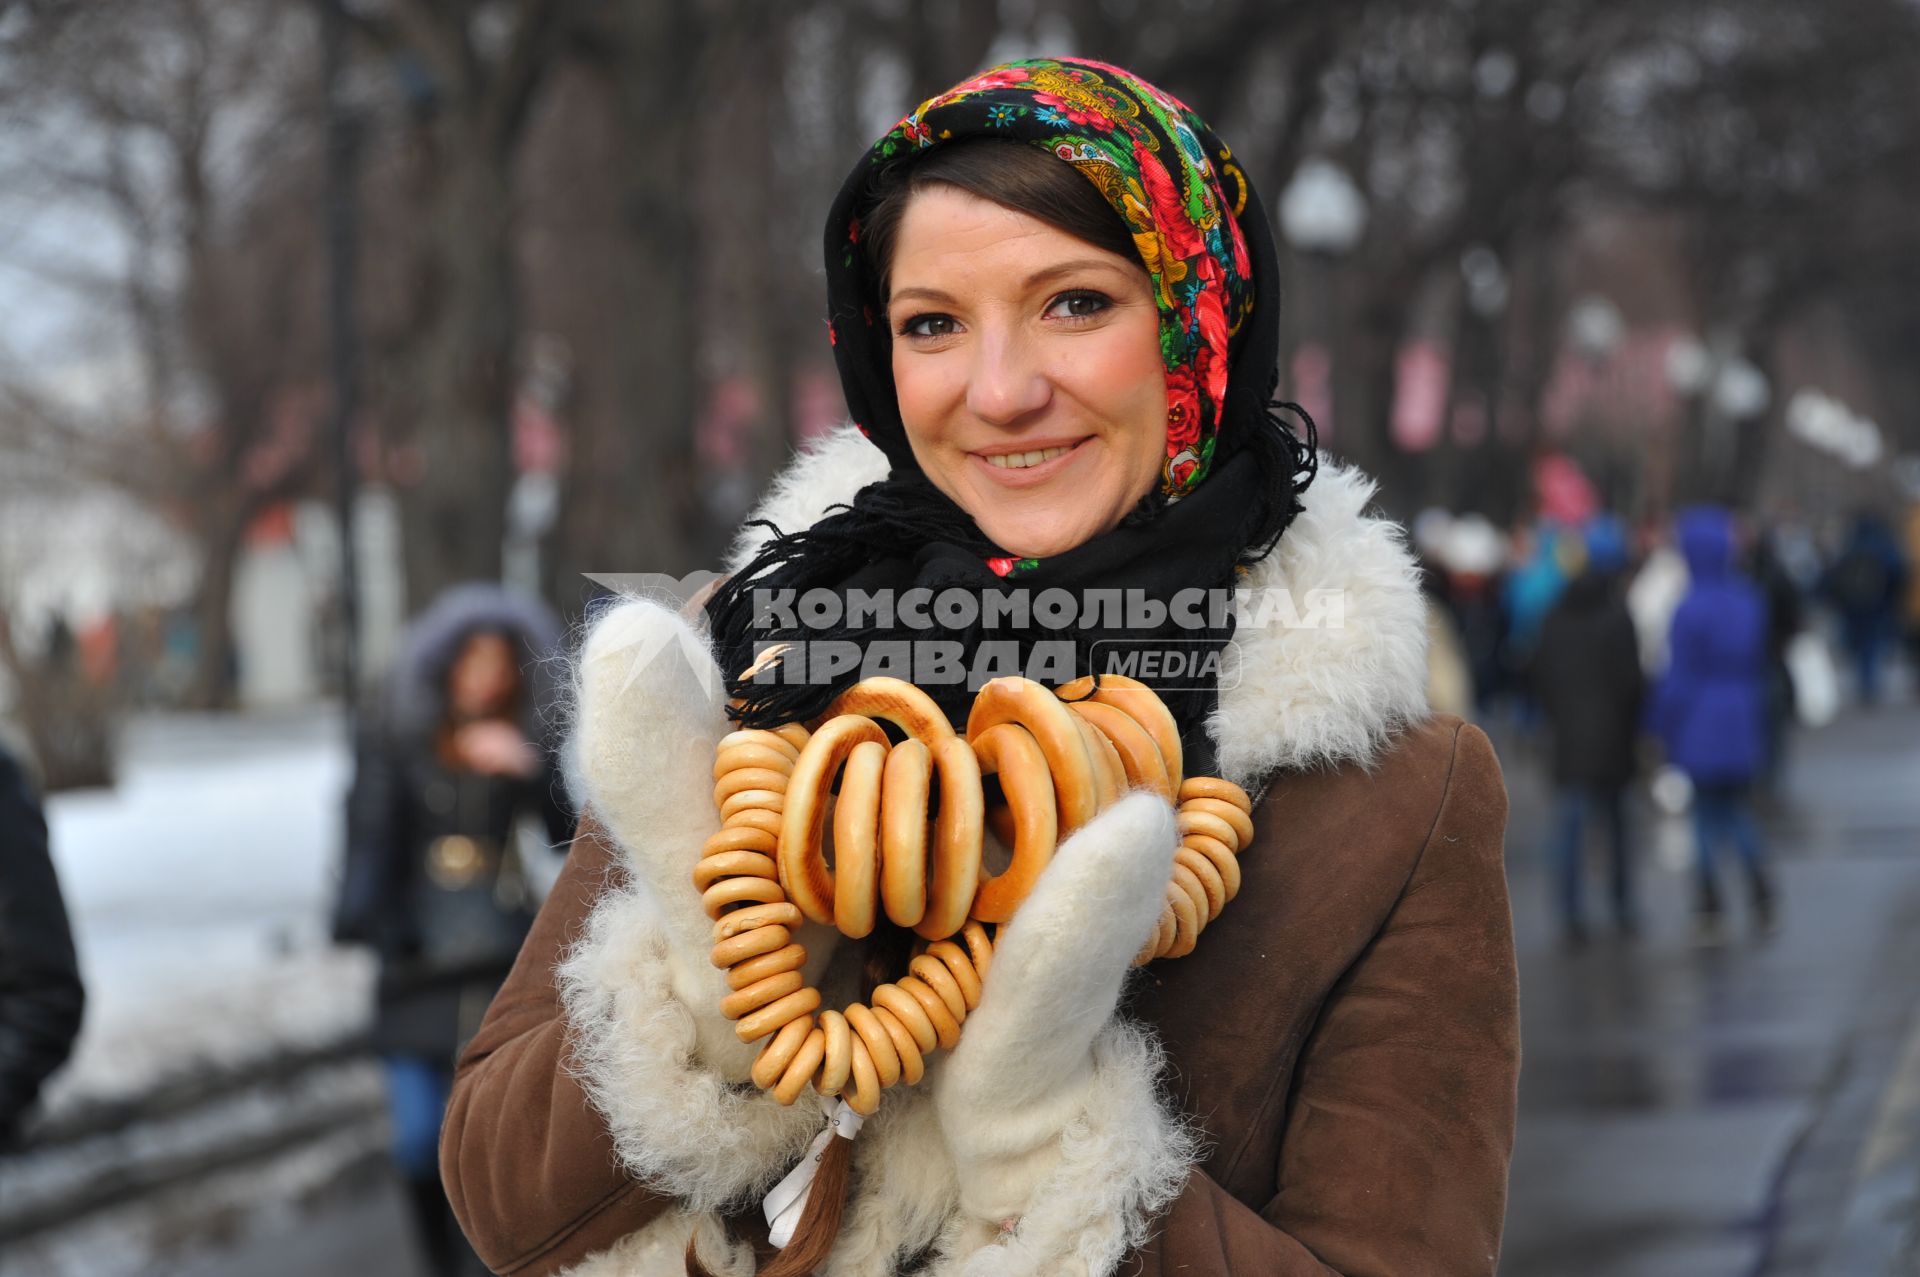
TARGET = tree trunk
x,y
455,520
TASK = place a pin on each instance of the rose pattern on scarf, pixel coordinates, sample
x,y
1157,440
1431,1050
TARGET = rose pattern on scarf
x,y
1160,167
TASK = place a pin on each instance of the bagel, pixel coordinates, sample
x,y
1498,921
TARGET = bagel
x,y
957,833
1140,703
802,861
1070,765
856,841
1139,755
1009,751
904,788
898,702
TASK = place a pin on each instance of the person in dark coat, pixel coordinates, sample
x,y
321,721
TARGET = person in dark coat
x,y
1587,679
1711,708
1865,584
41,997
454,792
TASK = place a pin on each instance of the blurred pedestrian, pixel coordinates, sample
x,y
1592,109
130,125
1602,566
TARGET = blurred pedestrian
x,y
1530,593
1472,552
1785,620
1910,615
438,857
40,992
1710,710
1865,585
1587,679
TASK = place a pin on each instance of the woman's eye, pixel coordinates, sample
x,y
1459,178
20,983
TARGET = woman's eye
x,y
928,326
1079,304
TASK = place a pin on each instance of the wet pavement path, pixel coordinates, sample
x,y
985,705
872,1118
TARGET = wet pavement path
x,y
1743,1109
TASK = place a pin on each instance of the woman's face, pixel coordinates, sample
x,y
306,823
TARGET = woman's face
x,y
1027,365
484,678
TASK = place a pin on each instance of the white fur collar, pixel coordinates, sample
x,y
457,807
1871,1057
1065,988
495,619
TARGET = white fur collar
x,y
1290,697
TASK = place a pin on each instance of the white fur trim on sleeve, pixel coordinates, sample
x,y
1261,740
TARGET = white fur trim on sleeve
x,y
677,1123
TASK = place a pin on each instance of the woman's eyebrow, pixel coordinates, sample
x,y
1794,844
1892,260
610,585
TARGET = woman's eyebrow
x,y
921,292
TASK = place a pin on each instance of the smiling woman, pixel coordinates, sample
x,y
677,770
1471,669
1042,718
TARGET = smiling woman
x,y
1054,305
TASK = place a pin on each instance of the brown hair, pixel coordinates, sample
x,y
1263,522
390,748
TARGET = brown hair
x,y
1015,175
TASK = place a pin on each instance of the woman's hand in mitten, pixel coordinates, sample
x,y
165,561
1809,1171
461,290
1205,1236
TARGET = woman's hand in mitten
x,y
641,992
1025,1067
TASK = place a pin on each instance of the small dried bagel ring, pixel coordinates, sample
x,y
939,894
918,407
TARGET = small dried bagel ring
x,y
1214,787
740,920
856,841
1208,876
1022,701
885,1057
800,1071
750,944
957,832
1221,857
760,993
769,755
791,958
1009,751
741,838
865,1096
903,832
1190,821
716,865
934,974
752,800
946,1026
913,1065
898,702
1139,755
728,892
803,865
908,1011
1144,706
767,822
837,1065
758,736
1109,773
1241,823
740,778
775,1014
963,972
779,1051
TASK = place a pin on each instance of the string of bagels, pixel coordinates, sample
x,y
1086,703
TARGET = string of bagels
x,y
1061,757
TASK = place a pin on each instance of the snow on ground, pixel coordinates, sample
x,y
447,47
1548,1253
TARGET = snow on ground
x,y
199,889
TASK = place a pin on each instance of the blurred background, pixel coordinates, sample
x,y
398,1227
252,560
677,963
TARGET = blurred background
x,y
312,311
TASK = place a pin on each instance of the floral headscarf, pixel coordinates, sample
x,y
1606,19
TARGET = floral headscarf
x,y
1173,183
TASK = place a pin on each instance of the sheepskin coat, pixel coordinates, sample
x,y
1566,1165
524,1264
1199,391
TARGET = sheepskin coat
x,y
1336,1063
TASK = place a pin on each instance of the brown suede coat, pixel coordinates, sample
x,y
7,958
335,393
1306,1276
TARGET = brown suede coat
x,y
1347,1035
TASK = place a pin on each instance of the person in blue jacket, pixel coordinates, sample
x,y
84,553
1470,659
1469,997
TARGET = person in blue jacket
x,y
1710,711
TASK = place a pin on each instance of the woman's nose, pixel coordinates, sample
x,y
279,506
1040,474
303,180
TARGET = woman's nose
x,y
1006,383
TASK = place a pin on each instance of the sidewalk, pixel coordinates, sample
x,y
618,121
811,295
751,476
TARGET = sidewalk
x,y
1737,1110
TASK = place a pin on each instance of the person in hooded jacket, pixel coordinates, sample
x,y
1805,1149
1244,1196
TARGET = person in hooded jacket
x,y
1710,712
1865,584
454,794
1587,678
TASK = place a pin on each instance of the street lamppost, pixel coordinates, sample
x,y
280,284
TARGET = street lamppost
x,y
1729,390
1323,216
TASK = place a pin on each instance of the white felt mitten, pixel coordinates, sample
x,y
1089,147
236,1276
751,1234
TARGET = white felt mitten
x,y
640,989
1048,1103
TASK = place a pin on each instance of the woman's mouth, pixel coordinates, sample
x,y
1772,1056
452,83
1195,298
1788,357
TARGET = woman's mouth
x,y
1034,465
1024,460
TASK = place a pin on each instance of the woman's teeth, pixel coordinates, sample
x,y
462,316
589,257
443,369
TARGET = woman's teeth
x,y
1021,460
